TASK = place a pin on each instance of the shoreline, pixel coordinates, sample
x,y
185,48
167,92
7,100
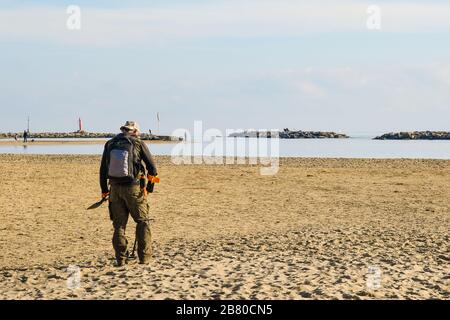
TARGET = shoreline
x,y
76,142
297,162
82,135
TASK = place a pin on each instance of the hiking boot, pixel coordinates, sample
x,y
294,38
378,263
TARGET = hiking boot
x,y
145,261
121,263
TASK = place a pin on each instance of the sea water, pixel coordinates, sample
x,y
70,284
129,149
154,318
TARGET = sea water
x,y
355,147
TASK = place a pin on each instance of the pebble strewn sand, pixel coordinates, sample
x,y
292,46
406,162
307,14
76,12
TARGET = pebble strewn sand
x,y
310,232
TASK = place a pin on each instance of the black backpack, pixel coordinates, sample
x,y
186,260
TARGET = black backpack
x,y
123,160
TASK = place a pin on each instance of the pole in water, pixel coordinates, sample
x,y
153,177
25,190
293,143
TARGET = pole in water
x,y
28,124
157,117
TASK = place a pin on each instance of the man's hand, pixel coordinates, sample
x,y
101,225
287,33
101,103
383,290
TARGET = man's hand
x,y
151,182
105,195
150,187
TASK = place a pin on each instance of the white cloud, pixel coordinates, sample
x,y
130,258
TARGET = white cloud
x,y
221,18
443,73
311,89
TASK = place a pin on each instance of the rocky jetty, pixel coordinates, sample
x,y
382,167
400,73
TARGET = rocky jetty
x,y
290,134
415,135
83,135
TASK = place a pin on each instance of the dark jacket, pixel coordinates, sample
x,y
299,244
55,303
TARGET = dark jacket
x,y
143,156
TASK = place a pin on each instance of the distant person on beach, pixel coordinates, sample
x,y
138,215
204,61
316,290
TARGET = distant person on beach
x,y
122,164
25,136
16,137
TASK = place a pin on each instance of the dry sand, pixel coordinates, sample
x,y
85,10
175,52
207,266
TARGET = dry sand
x,y
313,231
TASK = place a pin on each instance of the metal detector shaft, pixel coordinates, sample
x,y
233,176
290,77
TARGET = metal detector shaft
x,y
133,253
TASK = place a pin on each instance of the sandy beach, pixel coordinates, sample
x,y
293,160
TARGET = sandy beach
x,y
319,229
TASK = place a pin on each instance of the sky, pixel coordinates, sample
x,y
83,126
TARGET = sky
x,y
262,64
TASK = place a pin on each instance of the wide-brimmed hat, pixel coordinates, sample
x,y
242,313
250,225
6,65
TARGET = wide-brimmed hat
x,y
131,125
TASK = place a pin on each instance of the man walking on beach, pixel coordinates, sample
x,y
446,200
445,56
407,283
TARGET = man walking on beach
x,y
122,163
25,136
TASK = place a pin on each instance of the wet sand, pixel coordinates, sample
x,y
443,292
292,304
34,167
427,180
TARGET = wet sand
x,y
319,229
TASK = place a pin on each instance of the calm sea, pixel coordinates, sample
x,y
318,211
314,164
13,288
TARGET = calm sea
x,y
356,147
